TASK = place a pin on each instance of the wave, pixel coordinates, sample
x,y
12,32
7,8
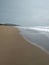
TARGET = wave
x,y
37,28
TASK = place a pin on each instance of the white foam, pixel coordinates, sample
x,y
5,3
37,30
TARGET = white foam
x,y
38,28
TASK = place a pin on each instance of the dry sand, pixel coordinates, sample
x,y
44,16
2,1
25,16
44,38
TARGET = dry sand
x,y
14,50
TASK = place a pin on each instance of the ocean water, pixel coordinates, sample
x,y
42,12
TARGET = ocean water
x,y
38,36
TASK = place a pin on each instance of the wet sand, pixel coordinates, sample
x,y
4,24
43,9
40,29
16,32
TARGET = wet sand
x,y
14,50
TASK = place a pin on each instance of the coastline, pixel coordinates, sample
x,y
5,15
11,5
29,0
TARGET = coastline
x,y
43,49
15,50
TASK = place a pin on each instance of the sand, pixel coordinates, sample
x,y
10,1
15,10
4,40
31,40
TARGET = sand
x,y
14,50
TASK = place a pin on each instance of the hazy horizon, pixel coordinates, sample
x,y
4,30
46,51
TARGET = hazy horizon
x,y
25,12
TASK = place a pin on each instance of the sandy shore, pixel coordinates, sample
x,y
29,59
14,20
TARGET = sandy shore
x,y
14,50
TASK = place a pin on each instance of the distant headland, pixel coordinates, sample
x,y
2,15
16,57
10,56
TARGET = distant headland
x,y
8,24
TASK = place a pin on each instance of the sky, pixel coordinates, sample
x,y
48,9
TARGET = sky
x,y
25,12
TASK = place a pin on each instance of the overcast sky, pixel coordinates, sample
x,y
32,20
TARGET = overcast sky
x,y
25,12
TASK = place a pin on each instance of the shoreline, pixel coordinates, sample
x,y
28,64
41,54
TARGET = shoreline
x,y
38,46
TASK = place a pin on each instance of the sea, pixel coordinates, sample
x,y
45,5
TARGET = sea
x,y
36,35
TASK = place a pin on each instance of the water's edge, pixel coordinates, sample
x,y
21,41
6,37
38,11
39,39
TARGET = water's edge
x,y
43,49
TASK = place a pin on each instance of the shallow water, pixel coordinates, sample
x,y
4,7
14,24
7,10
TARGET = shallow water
x,y
40,38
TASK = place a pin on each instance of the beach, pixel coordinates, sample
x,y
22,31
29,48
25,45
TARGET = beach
x,y
15,50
